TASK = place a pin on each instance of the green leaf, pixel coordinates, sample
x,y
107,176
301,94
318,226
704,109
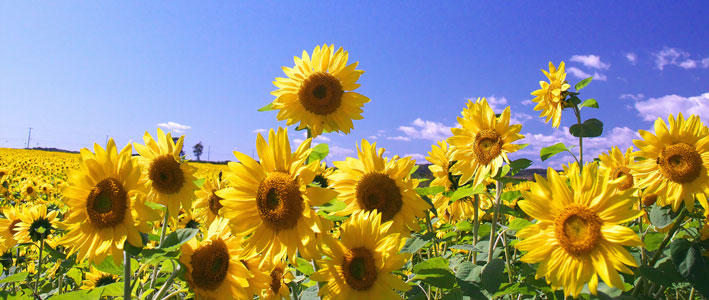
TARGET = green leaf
x,y
267,107
519,224
199,182
435,272
574,100
589,128
430,191
662,217
519,165
74,295
590,103
416,242
552,150
653,240
304,267
108,266
466,191
583,83
662,274
319,152
15,277
114,289
455,294
493,275
75,274
178,237
468,271
687,258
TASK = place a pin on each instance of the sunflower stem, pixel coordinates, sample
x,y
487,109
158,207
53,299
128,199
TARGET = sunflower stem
x,y
39,267
577,112
476,225
168,283
496,212
433,232
126,275
162,237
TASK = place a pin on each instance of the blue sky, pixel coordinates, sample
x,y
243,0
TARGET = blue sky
x,y
78,71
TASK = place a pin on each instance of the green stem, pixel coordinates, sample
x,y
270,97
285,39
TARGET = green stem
x,y
39,267
496,212
168,283
577,112
126,275
433,232
162,238
476,224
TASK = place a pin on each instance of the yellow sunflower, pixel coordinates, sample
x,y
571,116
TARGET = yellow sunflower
x,y
578,237
36,224
360,264
272,200
615,164
170,180
96,278
214,267
550,98
260,279
192,218
374,182
106,204
676,162
481,145
7,225
279,277
440,157
29,191
207,200
318,92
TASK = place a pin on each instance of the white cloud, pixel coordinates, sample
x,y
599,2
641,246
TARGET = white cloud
x,y
337,151
173,126
399,138
661,107
497,104
632,58
416,156
634,97
424,129
580,74
591,61
677,57
705,62
260,130
520,118
688,64
528,102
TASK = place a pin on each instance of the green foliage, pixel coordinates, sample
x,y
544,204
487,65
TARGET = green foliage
x,y
662,217
589,128
465,191
436,272
548,152
688,260
583,83
590,103
267,107
319,152
178,237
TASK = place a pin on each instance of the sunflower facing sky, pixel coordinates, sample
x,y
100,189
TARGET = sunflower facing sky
x,y
615,164
481,145
549,98
578,236
360,264
214,267
272,201
170,180
374,182
676,162
318,92
106,204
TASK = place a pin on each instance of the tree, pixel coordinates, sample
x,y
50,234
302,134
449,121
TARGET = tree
x,y
198,150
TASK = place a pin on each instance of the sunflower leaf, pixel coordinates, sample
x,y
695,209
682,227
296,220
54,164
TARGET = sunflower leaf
x,y
416,242
319,152
178,237
552,150
435,272
661,217
589,128
430,190
267,107
583,83
590,103
15,277
466,191
493,275
304,266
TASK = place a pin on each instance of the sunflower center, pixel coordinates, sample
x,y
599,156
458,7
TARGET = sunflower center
x,y
488,145
680,163
276,275
378,191
210,264
649,199
105,280
578,229
321,181
214,204
107,203
359,269
321,93
623,172
2,174
29,190
279,201
40,229
166,174
192,224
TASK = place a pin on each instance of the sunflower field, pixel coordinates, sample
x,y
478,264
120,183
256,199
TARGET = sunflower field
x,y
139,221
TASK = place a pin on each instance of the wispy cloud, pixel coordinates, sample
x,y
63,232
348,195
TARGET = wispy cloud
x,y
677,57
591,61
419,158
424,129
634,97
661,107
174,126
260,130
631,57
580,74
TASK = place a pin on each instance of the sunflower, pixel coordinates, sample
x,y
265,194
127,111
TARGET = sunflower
x,y
36,224
29,190
272,201
676,162
279,277
322,175
214,267
578,237
106,204
615,164
260,279
360,264
171,181
318,92
439,157
374,182
550,98
7,225
192,218
482,143
96,278
207,200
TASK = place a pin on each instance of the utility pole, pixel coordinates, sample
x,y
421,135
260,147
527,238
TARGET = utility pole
x,y
28,138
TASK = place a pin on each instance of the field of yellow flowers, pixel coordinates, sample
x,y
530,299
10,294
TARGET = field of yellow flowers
x,y
106,223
